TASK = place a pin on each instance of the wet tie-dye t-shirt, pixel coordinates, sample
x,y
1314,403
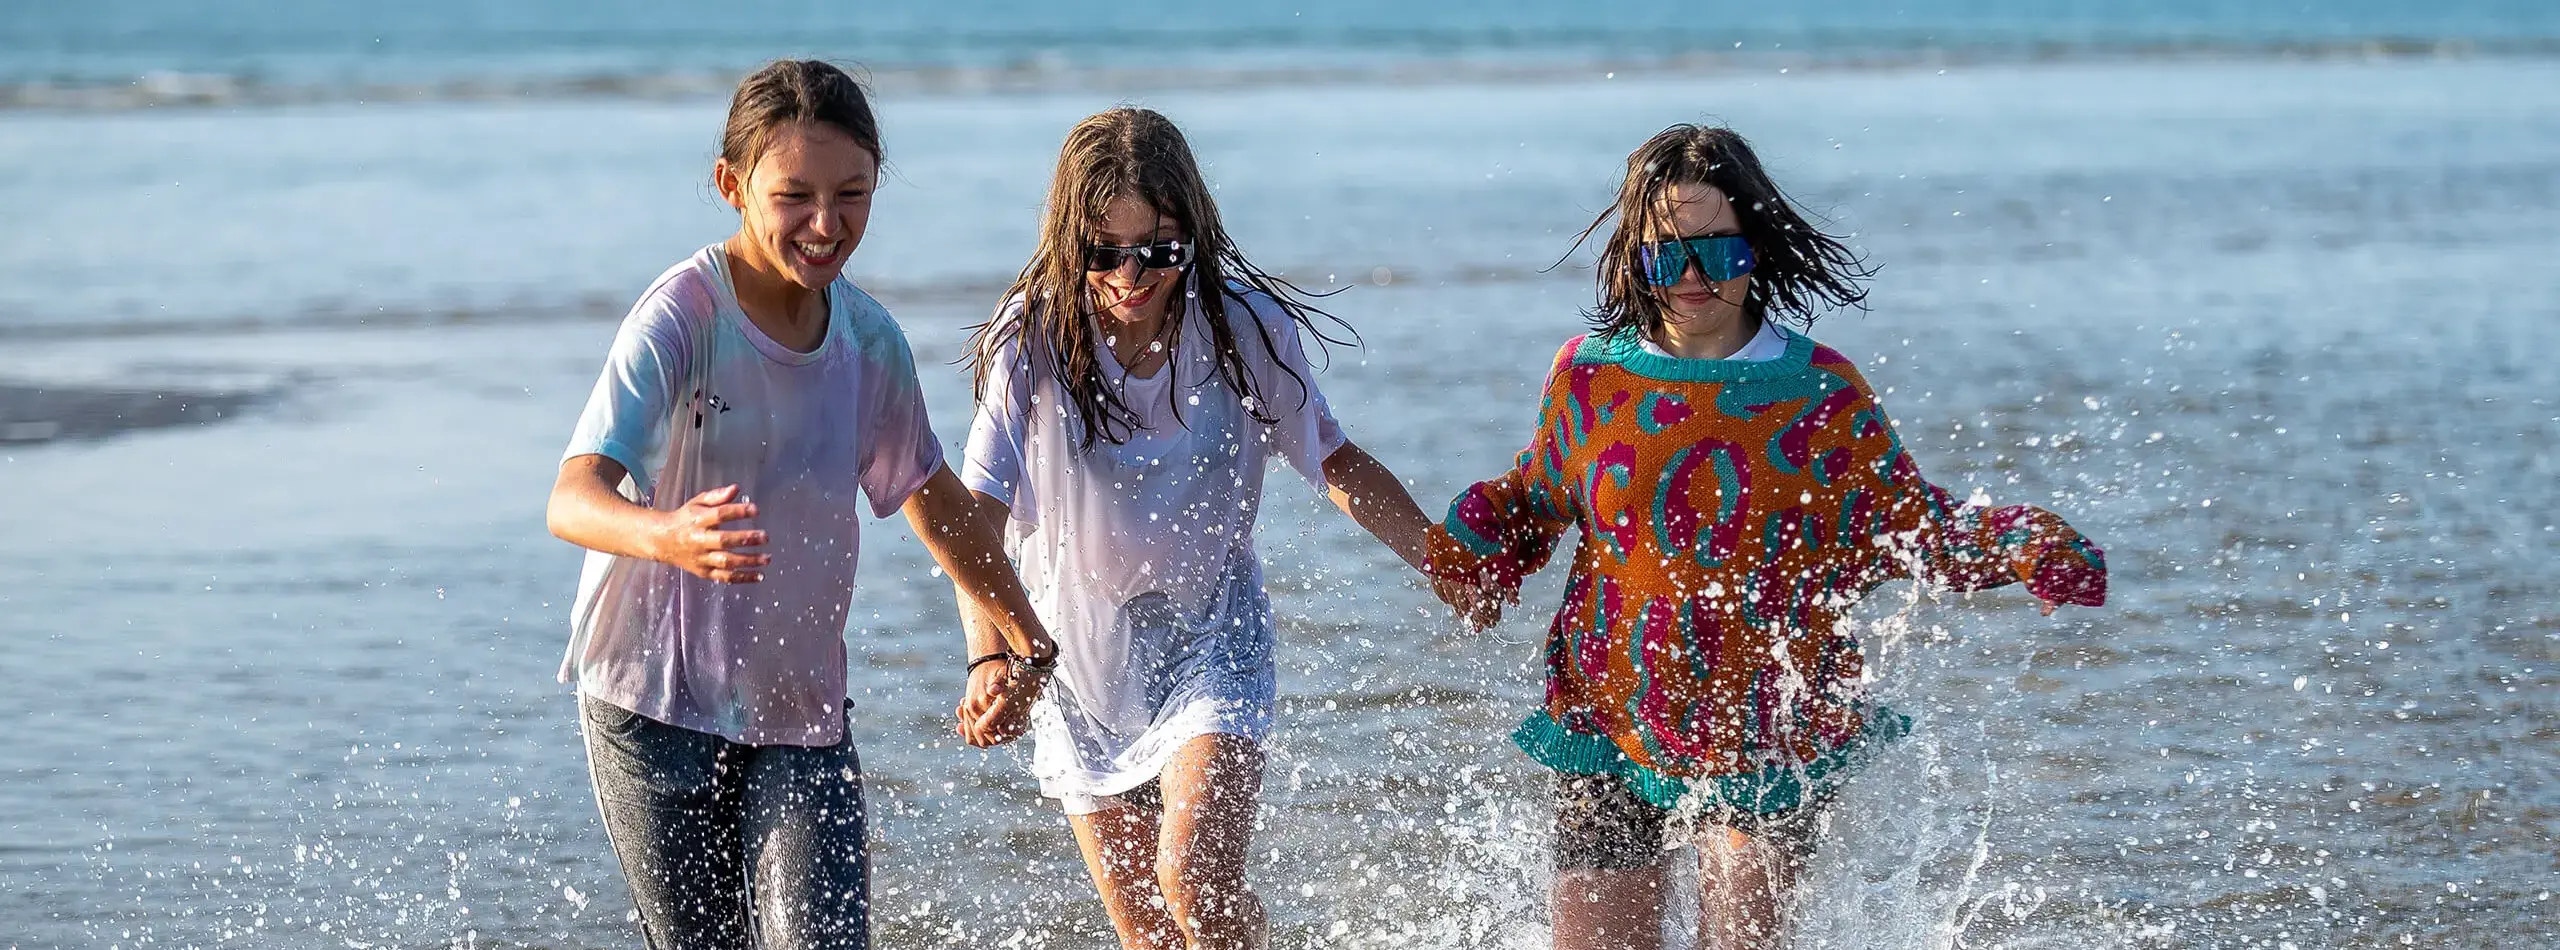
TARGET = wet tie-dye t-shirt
x,y
801,434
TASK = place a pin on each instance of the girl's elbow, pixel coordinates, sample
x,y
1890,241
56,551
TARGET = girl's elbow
x,y
560,516
556,519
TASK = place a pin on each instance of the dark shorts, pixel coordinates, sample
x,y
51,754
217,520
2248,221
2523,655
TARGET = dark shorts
x,y
1603,825
729,846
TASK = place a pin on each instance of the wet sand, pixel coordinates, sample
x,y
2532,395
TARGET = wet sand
x,y
32,412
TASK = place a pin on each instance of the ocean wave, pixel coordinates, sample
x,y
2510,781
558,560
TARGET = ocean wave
x,y
177,89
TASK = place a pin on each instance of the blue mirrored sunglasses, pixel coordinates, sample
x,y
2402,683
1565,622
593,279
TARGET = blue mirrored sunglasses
x,y
1718,256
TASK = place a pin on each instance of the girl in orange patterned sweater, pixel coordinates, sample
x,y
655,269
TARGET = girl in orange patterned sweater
x,y
1736,487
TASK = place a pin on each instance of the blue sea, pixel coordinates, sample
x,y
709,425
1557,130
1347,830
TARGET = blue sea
x,y
298,301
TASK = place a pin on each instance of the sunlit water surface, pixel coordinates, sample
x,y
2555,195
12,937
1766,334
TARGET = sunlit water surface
x,y
2278,335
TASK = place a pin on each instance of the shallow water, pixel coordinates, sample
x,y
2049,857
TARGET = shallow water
x,y
2273,333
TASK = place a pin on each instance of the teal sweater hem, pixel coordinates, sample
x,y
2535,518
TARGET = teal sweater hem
x,y
1772,790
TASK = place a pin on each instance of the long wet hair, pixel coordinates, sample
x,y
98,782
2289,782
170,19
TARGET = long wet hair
x,y
1800,271
1135,153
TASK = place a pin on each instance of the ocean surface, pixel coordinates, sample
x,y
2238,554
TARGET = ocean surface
x,y
298,304
318,42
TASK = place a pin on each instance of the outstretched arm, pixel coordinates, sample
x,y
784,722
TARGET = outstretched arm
x,y
996,707
1944,542
1976,547
946,518
1363,488
1501,530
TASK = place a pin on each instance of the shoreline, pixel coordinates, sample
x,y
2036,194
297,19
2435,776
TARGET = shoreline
x,y
38,414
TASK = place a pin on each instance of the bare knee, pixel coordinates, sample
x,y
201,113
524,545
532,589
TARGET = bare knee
x,y
1608,909
1209,904
1188,885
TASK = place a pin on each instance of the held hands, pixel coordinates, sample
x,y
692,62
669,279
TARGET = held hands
x,y
1478,606
691,538
997,707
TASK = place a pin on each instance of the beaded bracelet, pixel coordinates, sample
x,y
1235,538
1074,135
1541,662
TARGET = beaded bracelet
x,y
1021,662
1032,665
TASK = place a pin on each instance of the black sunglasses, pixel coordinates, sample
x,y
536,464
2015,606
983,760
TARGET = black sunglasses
x,y
1159,255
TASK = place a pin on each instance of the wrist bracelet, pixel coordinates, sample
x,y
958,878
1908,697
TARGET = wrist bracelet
x,y
1034,666
989,658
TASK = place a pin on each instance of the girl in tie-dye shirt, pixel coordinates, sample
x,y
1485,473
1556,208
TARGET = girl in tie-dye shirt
x,y
708,643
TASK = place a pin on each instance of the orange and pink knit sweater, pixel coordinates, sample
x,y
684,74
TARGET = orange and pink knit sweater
x,y
1730,512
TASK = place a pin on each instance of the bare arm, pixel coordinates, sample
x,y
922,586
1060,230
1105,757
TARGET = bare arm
x,y
997,707
982,635
587,510
1363,488
945,517
994,611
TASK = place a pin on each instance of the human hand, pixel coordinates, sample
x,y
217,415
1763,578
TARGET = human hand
x,y
2073,571
1477,607
997,707
691,538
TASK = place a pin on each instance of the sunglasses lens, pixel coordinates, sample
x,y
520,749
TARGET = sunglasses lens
x,y
1661,264
1161,255
1723,257
1164,255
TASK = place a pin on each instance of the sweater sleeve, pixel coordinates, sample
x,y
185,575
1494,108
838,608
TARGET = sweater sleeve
x,y
1933,537
1503,529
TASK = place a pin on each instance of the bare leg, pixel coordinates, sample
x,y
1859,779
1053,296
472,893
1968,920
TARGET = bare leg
x,y
1120,849
1608,910
1745,884
1210,792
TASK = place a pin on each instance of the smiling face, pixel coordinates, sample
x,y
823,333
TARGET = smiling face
x,y
1130,294
1695,304
804,205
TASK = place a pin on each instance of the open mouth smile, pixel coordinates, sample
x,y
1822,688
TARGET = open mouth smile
x,y
818,255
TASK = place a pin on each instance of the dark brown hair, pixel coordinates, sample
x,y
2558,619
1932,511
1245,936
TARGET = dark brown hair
x,y
1800,268
794,90
1135,153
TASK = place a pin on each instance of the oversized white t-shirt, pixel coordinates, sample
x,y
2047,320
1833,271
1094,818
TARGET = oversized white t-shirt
x,y
800,433
1139,556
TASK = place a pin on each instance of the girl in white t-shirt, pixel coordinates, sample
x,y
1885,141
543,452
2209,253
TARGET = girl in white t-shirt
x,y
1131,389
